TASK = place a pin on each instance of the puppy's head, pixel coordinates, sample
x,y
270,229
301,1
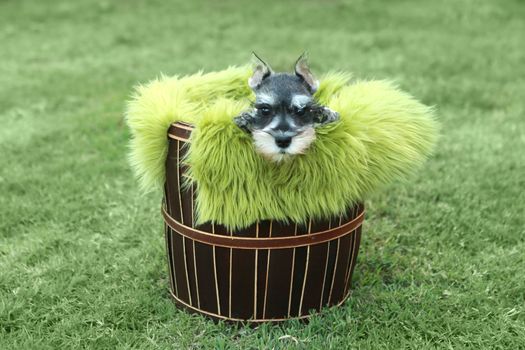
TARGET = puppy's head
x,y
282,122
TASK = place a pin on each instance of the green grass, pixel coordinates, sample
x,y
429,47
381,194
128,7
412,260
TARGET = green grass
x,y
82,262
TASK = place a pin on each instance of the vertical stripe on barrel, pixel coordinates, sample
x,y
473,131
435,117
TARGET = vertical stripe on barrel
x,y
179,190
267,272
260,229
205,266
291,277
168,258
277,272
174,239
345,244
192,206
230,283
315,274
243,279
335,267
178,266
205,278
169,246
222,266
196,278
186,201
255,274
186,269
357,238
349,267
305,269
350,255
172,182
195,252
202,260
325,268
332,256
355,247
177,241
184,247
217,292
304,280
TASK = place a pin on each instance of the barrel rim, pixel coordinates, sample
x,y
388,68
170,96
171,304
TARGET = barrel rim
x,y
278,242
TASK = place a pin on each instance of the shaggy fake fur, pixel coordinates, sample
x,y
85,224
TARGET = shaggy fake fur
x,y
383,135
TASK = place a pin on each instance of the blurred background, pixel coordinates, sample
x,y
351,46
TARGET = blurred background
x,y
82,260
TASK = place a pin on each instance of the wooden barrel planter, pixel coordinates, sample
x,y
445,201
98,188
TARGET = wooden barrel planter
x,y
270,271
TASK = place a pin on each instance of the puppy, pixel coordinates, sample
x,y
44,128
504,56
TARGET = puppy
x,y
284,115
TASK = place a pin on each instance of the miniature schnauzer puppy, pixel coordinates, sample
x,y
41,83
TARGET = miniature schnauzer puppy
x,y
284,115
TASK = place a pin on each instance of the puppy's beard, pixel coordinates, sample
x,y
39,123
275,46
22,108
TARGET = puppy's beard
x,y
301,141
266,146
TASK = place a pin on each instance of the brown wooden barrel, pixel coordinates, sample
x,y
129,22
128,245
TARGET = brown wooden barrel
x,y
270,271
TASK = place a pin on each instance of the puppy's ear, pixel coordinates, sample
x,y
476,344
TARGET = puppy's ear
x,y
303,70
261,71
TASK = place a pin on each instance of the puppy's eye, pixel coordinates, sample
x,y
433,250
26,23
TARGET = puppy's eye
x,y
265,110
299,110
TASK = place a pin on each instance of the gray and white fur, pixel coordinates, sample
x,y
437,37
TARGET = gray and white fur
x,y
284,115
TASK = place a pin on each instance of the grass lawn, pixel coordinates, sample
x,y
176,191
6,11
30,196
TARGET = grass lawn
x,y
82,261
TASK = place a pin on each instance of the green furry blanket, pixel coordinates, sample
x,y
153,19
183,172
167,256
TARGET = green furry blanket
x,y
383,134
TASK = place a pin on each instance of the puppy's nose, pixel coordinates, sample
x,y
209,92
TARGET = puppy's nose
x,y
283,141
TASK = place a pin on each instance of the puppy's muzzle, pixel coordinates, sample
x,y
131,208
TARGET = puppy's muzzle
x,y
278,147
